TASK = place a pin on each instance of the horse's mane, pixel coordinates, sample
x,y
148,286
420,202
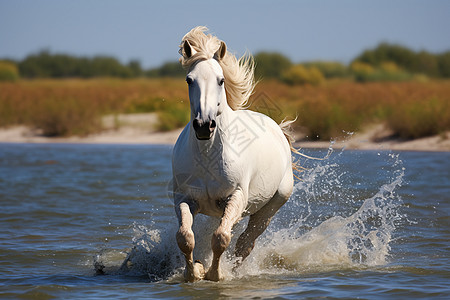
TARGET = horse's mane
x,y
238,73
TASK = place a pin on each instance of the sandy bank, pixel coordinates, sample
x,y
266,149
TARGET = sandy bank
x,y
125,135
374,138
377,137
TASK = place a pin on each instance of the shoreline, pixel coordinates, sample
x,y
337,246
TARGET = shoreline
x,y
374,138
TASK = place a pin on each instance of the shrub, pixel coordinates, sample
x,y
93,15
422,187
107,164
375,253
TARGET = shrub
x,y
172,118
444,64
64,117
361,71
168,69
171,114
387,71
329,69
411,109
74,107
8,71
422,62
415,119
299,75
47,65
271,65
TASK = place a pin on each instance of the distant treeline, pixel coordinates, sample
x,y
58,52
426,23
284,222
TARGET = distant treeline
x,y
386,62
48,65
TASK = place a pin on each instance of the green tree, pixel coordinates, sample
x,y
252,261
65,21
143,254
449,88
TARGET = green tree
x,y
170,69
444,64
135,67
109,66
402,56
44,64
423,62
271,65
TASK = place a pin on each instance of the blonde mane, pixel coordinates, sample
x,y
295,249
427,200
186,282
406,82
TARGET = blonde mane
x,y
238,73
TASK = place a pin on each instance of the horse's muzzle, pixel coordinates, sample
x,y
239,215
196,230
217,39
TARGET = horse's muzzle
x,y
203,130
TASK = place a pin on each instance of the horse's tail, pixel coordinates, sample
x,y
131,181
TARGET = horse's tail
x,y
286,127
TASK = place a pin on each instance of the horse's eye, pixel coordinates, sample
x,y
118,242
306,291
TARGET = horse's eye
x,y
221,81
189,80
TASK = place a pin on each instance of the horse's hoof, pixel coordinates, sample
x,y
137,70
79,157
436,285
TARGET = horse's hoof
x,y
197,274
214,275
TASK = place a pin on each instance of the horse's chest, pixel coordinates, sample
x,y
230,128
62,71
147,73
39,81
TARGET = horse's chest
x,y
216,176
211,181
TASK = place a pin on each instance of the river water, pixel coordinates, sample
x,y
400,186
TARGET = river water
x,y
96,221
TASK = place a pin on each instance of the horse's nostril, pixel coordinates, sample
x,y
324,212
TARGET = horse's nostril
x,y
196,124
212,124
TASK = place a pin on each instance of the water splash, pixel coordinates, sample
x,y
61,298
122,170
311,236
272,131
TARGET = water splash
x,y
337,226
335,219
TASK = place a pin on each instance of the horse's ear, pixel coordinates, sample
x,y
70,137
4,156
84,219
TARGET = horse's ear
x,y
220,53
188,50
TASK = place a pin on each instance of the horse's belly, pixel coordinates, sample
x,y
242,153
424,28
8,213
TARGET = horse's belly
x,y
265,182
259,196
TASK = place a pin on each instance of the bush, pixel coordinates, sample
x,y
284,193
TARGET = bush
x,y
64,117
47,65
444,64
74,107
299,75
329,69
427,117
411,109
168,69
173,118
271,65
8,71
387,71
423,62
361,71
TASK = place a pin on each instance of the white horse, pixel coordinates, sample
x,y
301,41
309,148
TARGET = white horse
x,y
228,162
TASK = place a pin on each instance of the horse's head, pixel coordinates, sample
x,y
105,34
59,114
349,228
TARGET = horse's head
x,y
206,91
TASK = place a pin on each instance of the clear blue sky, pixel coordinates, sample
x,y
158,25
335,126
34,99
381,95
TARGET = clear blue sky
x,y
150,31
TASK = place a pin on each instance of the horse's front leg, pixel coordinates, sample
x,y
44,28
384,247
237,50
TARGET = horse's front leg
x,y
186,211
222,236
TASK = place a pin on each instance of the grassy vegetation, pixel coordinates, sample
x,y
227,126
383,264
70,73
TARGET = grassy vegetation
x,y
411,109
75,106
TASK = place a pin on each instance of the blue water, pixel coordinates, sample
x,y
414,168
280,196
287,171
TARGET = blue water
x,y
360,224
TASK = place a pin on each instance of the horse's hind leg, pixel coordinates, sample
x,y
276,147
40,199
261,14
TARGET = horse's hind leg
x,y
257,224
259,221
185,238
